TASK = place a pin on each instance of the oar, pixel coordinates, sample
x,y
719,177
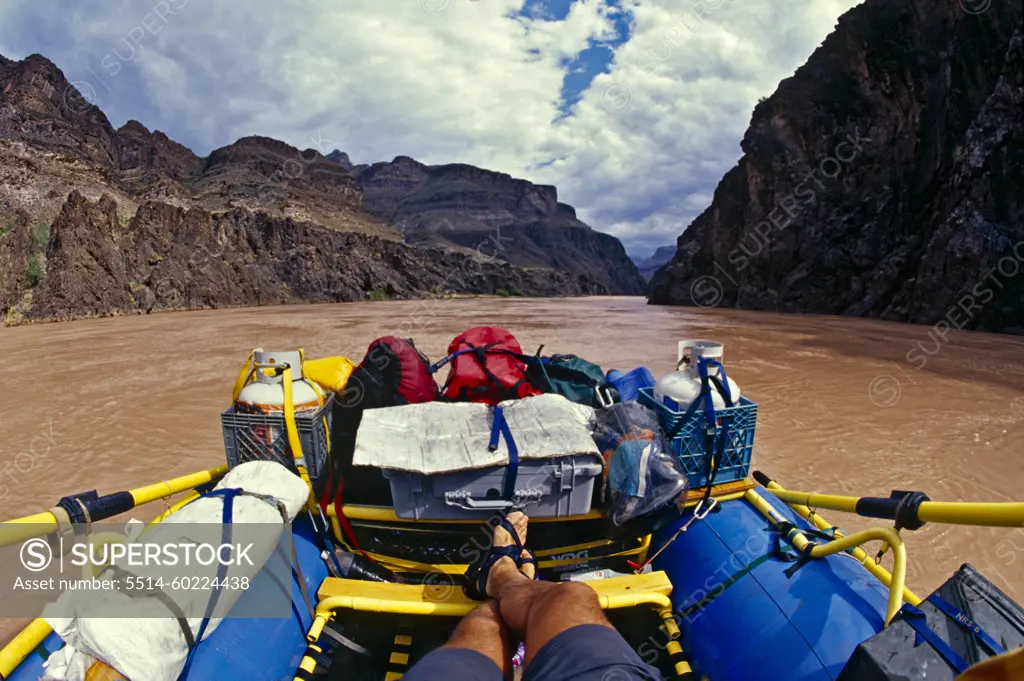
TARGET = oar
x,y
95,508
909,509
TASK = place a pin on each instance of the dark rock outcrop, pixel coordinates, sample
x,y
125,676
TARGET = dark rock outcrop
x,y
168,257
151,158
86,274
462,206
39,106
883,179
342,159
15,251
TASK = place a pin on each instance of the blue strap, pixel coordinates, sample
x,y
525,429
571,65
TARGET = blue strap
x,y
963,620
712,427
495,554
500,427
705,390
702,366
499,417
703,398
434,368
225,538
915,618
721,372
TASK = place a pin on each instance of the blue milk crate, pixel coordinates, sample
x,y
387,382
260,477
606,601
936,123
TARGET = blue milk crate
x,y
689,441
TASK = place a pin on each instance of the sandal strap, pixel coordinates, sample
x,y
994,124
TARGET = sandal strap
x,y
510,528
501,552
529,560
494,555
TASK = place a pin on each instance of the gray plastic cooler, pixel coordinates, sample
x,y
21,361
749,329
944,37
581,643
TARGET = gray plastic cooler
x,y
545,488
444,461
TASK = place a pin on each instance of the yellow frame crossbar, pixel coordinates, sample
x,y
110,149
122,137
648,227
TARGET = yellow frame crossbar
x,y
449,601
335,594
870,565
838,545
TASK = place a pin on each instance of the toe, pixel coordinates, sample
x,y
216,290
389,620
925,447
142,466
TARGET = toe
x,y
519,521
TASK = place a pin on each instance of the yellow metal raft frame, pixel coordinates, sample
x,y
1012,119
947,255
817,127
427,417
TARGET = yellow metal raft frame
x,y
650,590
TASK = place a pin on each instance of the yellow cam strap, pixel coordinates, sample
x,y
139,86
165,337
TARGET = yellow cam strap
x,y
243,376
293,436
249,368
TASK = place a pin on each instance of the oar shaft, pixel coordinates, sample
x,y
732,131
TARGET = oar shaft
x,y
38,525
995,514
160,490
987,514
41,524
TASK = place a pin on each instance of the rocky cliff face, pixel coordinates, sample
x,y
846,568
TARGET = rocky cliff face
x,y
38,106
267,175
168,258
883,179
98,221
461,206
153,164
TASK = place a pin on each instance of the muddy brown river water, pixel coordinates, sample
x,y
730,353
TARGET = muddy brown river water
x,y
847,406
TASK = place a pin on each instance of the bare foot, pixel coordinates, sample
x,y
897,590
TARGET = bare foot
x,y
505,567
519,521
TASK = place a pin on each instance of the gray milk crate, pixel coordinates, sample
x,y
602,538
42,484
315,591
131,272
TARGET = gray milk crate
x,y
259,437
545,488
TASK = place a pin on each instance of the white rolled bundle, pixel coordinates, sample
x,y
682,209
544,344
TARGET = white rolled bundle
x,y
145,648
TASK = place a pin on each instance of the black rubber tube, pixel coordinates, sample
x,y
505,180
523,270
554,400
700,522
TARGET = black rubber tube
x,y
877,507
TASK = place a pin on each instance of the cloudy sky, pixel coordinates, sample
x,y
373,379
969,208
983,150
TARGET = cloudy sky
x,y
633,108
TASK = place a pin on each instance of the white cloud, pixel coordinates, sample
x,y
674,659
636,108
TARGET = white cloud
x,y
474,84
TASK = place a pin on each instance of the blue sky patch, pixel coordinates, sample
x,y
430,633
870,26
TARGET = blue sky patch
x,y
589,63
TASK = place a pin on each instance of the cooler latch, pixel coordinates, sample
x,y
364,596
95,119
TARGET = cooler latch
x,y
566,472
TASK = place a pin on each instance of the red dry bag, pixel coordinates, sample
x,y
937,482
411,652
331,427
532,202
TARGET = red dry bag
x,y
486,367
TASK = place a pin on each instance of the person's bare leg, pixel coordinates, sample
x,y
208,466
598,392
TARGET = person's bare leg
x,y
482,630
538,611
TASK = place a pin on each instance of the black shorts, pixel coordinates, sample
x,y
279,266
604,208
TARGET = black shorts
x,y
589,652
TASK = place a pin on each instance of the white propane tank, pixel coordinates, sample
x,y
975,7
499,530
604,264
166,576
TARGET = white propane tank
x,y
681,387
265,394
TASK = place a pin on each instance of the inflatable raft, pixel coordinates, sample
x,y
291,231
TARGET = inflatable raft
x,y
748,582
719,602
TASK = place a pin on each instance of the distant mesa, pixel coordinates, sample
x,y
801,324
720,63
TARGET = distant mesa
x,y
649,265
